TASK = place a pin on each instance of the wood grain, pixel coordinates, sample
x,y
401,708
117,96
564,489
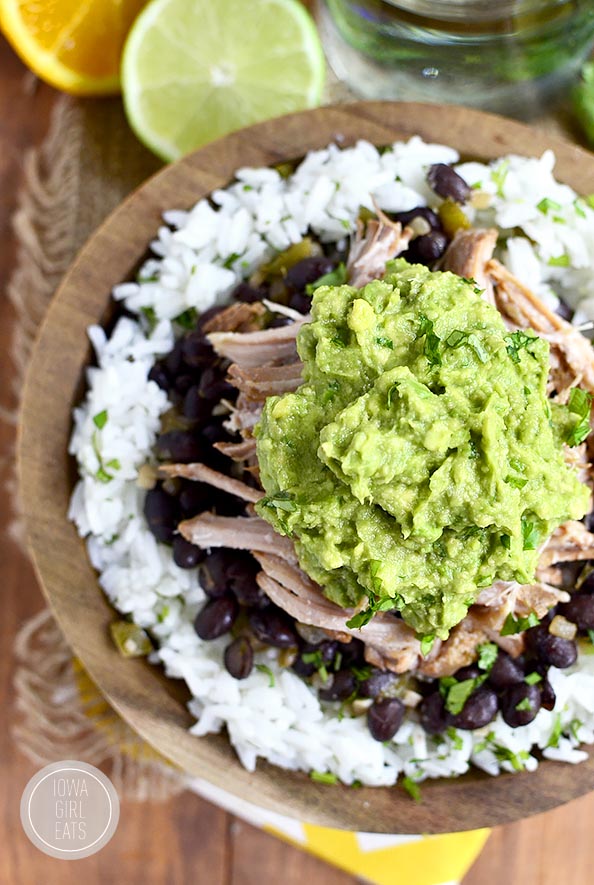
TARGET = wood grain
x,y
153,705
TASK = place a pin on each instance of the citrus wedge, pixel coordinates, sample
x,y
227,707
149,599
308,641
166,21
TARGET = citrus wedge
x,y
193,71
75,45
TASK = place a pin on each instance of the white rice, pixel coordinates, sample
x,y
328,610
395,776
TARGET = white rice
x,y
199,256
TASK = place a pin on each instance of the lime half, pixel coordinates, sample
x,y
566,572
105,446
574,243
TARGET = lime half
x,y
194,70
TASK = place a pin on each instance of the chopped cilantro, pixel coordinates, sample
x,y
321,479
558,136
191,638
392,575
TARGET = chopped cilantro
x,y
150,317
247,187
530,534
556,733
513,625
427,643
517,482
187,319
323,777
457,338
504,754
361,673
103,476
336,277
455,738
384,342
384,604
533,678
578,207
345,223
412,788
590,200
546,204
524,705
485,581
574,727
505,541
591,636
151,278
280,501
580,404
231,259
498,176
458,694
264,669
317,659
330,393
393,389
100,419
559,260
114,464
517,341
431,347
487,655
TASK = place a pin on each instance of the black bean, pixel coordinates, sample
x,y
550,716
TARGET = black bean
x,y
384,718
564,310
212,384
180,446
469,672
245,292
279,321
339,687
376,683
212,573
273,626
216,617
307,271
551,650
173,360
431,217
194,497
183,382
160,376
446,182
527,698
505,671
239,658
241,574
195,406
547,694
479,709
580,611
427,248
434,716
186,555
352,652
300,302
196,350
161,513
325,653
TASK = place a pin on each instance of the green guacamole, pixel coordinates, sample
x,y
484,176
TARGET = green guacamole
x,y
420,460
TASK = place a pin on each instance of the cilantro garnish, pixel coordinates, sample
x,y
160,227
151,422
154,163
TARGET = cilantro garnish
x,y
556,733
382,341
280,501
264,669
100,419
317,659
591,636
330,393
455,738
431,347
187,319
524,705
533,678
412,788
516,342
517,482
323,777
231,259
505,541
427,643
457,338
458,694
384,604
487,655
530,535
513,625
559,260
546,203
498,176
580,404
150,316
336,277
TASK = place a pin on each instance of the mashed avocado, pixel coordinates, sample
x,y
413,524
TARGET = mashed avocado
x,y
420,460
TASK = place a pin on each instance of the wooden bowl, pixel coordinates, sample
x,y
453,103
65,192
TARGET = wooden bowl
x,y
153,705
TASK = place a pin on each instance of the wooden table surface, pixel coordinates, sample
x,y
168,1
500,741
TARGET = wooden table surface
x,y
187,839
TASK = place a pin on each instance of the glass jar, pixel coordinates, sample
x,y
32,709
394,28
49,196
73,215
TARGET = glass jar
x,y
509,56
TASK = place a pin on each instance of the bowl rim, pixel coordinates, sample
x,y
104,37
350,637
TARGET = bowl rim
x,y
151,704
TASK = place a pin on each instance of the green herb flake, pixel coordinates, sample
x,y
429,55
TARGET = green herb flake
x,y
591,636
231,259
100,419
381,341
559,261
514,625
547,204
574,728
556,733
336,277
412,788
150,317
578,205
524,705
103,476
323,777
114,464
530,535
427,643
518,341
187,319
487,655
498,176
263,668
505,541
316,658
518,482
280,501
432,341
579,404
533,678
455,738
330,393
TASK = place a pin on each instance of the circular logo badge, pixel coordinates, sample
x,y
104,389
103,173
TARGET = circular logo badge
x,y
70,810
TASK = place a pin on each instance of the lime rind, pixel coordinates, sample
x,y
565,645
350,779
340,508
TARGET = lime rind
x,y
190,77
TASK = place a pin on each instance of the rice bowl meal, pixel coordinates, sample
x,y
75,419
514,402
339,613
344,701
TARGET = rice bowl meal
x,y
334,463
